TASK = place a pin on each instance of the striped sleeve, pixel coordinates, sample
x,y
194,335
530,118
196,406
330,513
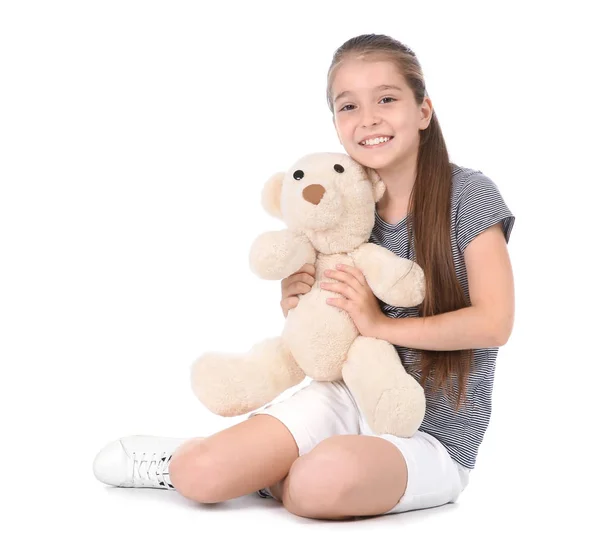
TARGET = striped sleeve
x,y
480,205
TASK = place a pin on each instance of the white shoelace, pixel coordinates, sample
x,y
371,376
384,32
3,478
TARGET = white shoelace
x,y
153,469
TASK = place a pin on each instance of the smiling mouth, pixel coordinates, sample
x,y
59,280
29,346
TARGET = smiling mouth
x,y
378,143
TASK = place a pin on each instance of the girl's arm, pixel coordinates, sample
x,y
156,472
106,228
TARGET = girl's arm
x,y
487,323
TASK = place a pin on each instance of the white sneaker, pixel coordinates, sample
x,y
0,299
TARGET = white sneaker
x,y
137,461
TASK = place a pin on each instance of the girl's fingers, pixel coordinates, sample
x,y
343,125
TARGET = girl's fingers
x,y
297,277
302,277
297,283
291,302
344,278
354,271
341,303
307,268
345,290
298,287
288,303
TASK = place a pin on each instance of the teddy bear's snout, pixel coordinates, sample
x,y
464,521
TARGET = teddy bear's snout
x,y
313,194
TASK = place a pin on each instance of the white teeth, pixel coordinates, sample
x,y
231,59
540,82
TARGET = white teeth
x,y
372,142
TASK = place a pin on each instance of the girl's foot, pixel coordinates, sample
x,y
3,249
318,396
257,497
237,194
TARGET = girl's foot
x,y
137,461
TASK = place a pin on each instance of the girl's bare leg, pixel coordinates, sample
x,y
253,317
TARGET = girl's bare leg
x,y
236,461
345,476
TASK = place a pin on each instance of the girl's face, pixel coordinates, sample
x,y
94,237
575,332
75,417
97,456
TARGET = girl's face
x,y
372,99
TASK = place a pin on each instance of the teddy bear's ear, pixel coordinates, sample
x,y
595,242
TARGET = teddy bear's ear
x,y
378,184
271,195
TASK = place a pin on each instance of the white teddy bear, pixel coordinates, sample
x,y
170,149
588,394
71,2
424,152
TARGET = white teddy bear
x,y
327,201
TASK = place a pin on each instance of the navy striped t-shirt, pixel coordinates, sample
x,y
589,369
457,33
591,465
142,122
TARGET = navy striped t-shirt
x,y
476,205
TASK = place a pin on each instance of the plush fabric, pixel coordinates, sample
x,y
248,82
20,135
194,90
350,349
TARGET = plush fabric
x,y
327,201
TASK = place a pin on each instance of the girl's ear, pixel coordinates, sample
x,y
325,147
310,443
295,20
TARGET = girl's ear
x,y
271,195
378,184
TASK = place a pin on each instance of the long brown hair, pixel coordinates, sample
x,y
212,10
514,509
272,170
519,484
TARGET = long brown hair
x,y
429,207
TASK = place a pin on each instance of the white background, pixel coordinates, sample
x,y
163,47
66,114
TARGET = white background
x,y
135,138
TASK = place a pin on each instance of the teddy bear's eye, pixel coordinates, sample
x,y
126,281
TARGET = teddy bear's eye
x,y
298,174
338,168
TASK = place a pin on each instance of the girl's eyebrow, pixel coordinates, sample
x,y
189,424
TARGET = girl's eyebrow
x,y
380,87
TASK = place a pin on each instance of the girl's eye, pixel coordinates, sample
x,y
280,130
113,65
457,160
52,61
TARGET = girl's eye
x,y
343,108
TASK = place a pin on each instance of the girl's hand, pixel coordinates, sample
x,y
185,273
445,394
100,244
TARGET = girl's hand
x,y
358,299
297,283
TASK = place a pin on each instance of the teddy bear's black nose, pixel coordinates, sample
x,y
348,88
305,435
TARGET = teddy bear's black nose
x,y
313,193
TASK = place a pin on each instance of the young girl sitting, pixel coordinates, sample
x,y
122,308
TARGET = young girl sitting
x,y
314,451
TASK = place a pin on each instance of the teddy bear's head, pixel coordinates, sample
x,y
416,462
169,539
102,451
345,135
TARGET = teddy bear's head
x,y
327,196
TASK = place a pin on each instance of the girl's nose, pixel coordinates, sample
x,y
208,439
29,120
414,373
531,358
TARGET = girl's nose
x,y
370,117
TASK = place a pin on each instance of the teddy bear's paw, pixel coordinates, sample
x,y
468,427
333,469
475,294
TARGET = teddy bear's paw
x,y
399,411
234,384
220,384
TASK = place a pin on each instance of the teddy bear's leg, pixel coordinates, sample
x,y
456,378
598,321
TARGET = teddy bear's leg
x,y
234,384
391,400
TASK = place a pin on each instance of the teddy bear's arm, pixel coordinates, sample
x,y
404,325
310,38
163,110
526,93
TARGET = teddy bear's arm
x,y
395,280
278,254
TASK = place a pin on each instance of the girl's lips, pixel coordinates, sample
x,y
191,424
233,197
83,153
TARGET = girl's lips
x,y
380,145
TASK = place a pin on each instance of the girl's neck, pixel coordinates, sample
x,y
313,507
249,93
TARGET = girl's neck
x,y
399,181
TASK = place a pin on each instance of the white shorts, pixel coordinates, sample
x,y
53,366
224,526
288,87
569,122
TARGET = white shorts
x,y
324,409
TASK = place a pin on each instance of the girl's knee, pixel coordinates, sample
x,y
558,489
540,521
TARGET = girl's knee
x,y
318,483
194,473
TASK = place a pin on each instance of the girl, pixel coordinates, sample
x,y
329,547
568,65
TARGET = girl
x,y
314,451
